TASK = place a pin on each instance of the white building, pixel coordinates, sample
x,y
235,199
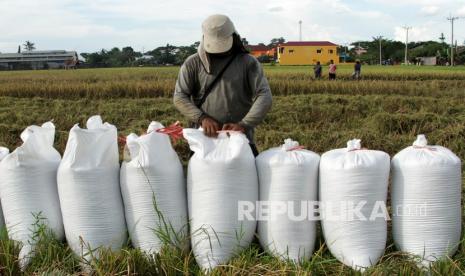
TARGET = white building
x,y
38,60
427,61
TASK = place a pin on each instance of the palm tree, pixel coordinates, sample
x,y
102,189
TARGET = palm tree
x,y
29,45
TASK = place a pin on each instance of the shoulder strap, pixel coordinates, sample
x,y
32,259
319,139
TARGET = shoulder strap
x,y
209,88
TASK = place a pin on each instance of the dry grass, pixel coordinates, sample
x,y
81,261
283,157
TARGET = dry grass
x,y
386,110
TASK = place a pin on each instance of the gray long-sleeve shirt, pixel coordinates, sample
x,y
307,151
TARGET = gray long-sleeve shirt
x,y
242,95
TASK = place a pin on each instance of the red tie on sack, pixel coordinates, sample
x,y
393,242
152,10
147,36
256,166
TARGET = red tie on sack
x,y
121,140
296,148
174,131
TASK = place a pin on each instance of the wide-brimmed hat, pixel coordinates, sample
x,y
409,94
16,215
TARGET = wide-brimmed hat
x,y
218,33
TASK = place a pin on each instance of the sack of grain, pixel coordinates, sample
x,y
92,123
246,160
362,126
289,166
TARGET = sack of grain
x,y
88,186
426,197
3,152
353,190
154,191
288,175
221,175
28,189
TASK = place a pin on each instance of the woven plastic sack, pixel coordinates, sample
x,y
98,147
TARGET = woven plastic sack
x,y
221,175
288,177
28,189
154,191
353,191
89,190
426,201
3,152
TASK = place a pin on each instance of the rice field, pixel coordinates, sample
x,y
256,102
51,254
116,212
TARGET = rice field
x,y
386,109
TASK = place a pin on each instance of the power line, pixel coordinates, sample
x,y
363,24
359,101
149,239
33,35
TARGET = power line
x,y
406,28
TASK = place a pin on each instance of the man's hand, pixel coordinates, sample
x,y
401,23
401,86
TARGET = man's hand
x,y
210,126
233,127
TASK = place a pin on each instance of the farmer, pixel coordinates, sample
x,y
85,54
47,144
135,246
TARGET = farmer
x,y
317,70
357,70
222,87
332,70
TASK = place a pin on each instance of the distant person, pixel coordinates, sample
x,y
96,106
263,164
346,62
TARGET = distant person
x,y
357,70
222,87
332,70
317,69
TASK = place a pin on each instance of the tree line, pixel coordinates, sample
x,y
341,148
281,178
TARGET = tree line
x,y
392,52
164,55
127,56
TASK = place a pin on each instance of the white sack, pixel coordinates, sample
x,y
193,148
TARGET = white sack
x,y
426,196
221,173
288,176
28,188
153,176
88,185
349,177
3,152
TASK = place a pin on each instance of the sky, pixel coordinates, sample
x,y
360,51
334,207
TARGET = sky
x,y
90,25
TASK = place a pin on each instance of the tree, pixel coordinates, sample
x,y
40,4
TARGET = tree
x,y
185,51
196,44
393,50
244,41
113,58
428,49
128,56
276,41
29,46
165,54
264,59
96,59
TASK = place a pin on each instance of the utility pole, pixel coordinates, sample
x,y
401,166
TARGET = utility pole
x,y
452,19
300,30
442,38
380,56
406,28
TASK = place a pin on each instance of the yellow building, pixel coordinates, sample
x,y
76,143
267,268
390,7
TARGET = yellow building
x,y
307,52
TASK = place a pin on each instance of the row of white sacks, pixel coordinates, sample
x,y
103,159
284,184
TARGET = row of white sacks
x,y
88,198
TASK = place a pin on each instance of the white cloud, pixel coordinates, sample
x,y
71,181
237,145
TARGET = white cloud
x,y
9,45
413,2
89,25
429,10
461,11
276,9
418,33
